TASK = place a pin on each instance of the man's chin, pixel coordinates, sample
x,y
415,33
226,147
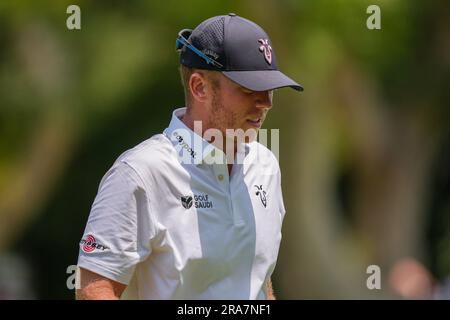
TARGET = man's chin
x,y
247,134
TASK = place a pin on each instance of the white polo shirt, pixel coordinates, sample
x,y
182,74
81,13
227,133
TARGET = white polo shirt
x,y
175,230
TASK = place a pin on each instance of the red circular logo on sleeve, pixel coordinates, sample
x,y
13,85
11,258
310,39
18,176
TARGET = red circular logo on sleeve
x,y
89,244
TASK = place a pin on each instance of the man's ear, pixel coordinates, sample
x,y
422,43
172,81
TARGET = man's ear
x,y
199,86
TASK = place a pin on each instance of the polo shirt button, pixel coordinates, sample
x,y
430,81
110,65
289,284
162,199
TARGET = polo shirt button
x,y
220,177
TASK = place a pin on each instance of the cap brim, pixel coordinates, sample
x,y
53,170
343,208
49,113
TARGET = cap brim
x,y
262,80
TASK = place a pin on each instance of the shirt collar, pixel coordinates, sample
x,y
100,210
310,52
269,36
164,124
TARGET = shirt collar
x,y
190,146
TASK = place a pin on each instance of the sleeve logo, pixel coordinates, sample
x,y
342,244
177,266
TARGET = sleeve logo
x,y
89,244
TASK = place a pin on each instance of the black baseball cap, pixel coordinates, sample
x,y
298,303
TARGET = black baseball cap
x,y
238,48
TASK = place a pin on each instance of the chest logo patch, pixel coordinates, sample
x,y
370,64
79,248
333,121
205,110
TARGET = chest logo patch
x,y
262,194
198,200
186,201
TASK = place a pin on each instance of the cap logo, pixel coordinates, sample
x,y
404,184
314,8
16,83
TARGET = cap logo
x,y
266,49
211,53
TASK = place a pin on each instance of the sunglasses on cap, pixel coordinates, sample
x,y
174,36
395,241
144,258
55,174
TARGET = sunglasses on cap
x,y
182,41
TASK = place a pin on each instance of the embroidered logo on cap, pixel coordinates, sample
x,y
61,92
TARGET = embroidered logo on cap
x,y
266,49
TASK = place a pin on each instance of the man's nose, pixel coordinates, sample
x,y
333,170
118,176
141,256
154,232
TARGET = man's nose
x,y
264,99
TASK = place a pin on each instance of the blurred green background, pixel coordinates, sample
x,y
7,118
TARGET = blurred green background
x,y
364,150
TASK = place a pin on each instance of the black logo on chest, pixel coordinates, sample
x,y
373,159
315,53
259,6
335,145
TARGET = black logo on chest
x,y
199,201
186,201
262,194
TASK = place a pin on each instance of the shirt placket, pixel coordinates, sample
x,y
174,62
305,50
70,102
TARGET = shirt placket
x,y
223,179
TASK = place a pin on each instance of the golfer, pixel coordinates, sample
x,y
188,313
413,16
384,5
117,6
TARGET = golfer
x,y
196,212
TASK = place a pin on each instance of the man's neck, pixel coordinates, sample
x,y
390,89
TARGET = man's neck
x,y
188,119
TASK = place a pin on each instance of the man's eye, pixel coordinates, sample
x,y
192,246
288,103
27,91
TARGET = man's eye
x,y
247,91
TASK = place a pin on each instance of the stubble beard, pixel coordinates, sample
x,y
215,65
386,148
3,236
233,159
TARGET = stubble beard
x,y
223,120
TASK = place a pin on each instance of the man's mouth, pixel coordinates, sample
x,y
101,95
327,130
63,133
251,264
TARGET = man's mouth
x,y
255,122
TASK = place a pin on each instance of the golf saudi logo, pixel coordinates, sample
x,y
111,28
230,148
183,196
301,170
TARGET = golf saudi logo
x,y
186,201
198,200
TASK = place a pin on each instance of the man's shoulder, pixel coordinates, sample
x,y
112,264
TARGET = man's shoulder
x,y
144,164
150,153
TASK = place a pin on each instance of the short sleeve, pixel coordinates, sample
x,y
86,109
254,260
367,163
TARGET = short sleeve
x,y
119,228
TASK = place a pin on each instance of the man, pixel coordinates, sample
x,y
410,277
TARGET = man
x,y
196,212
